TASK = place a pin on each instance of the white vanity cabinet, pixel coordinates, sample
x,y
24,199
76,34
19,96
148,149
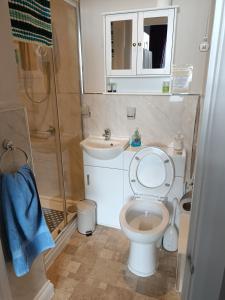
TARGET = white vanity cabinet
x,y
104,185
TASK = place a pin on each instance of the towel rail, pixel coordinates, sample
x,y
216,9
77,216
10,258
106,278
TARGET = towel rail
x,y
8,146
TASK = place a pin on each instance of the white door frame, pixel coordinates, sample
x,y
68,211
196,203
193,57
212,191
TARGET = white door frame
x,y
206,246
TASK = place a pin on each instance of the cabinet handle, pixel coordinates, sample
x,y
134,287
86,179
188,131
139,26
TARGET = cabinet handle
x,y
139,44
88,179
134,44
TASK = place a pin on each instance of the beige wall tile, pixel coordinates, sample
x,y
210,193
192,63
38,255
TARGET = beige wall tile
x,y
158,117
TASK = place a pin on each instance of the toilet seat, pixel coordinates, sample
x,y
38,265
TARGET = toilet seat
x,y
151,173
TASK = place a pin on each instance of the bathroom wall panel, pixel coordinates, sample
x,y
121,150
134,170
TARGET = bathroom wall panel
x,y
158,117
5,292
14,127
34,69
45,167
40,115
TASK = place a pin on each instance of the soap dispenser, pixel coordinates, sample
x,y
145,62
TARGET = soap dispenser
x,y
136,139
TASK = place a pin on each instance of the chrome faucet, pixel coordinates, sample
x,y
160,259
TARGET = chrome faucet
x,y
107,134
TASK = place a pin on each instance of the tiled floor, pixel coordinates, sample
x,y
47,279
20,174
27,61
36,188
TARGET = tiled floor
x,y
94,268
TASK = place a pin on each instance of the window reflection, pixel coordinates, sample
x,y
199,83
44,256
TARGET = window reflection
x,y
154,42
121,39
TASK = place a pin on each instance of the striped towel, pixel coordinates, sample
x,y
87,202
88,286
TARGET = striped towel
x,y
31,21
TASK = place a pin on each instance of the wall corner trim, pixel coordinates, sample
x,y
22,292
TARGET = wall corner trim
x,y
46,292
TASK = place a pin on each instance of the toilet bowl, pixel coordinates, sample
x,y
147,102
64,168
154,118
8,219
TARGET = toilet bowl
x,y
145,217
143,221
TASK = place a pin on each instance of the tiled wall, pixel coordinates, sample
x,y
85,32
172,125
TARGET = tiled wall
x,y
14,127
17,134
159,118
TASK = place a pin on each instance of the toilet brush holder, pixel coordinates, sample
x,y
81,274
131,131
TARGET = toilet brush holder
x,y
170,238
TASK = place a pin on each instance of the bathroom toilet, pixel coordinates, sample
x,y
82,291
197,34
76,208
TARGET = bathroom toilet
x,y
145,217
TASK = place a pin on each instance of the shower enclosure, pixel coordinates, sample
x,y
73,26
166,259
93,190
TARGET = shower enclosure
x,y
49,81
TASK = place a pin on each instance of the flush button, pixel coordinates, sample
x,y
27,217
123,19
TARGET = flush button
x,y
166,161
167,184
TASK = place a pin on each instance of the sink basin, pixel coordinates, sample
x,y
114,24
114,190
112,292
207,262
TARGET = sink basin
x,y
99,148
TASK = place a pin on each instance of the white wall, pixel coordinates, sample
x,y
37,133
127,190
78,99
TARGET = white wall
x,y
191,26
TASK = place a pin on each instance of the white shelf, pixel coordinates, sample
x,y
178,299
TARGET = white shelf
x,y
153,94
144,94
138,93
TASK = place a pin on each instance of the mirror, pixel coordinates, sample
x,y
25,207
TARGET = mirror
x,y
154,42
121,39
139,43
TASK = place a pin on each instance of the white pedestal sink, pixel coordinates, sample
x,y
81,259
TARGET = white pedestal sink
x,y
99,148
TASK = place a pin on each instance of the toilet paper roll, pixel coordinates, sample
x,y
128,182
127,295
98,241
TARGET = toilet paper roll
x,y
185,206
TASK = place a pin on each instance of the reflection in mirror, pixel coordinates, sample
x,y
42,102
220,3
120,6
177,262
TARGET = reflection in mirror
x,y
121,39
154,42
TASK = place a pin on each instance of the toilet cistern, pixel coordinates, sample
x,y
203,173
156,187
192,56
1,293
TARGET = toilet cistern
x,y
107,134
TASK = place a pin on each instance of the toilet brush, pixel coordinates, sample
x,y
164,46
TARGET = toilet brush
x,y
170,239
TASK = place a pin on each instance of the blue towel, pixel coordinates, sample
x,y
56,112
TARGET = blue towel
x,y
25,229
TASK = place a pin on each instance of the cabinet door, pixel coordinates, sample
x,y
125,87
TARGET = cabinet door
x,y
155,42
121,44
105,186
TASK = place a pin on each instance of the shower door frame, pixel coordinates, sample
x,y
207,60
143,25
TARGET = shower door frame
x,y
76,6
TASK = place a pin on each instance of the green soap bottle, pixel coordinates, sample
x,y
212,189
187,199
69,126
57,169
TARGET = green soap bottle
x,y
136,139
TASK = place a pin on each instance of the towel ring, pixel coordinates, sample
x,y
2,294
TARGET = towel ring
x,y
8,146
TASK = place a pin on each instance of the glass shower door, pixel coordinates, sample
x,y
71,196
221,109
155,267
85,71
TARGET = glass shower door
x,y
38,93
68,91
49,87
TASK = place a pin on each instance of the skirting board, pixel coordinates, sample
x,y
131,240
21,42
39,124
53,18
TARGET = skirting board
x,y
46,292
61,243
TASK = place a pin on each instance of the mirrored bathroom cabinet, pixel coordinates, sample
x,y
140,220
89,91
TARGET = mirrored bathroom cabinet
x,y
139,49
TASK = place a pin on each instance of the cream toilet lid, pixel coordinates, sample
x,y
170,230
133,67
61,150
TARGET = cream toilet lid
x,y
151,172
